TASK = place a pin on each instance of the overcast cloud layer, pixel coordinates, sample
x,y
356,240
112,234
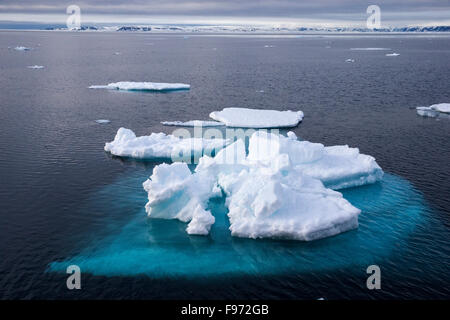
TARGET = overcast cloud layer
x,y
270,12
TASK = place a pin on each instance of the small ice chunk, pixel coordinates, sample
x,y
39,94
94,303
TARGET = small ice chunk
x,y
350,60
394,54
160,146
370,49
142,86
193,123
102,121
269,46
21,48
291,135
35,67
257,118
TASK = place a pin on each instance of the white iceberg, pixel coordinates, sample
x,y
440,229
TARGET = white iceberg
x,y
35,67
257,118
193,123
435,110
394,54
160,146
350,60
271,194
143,86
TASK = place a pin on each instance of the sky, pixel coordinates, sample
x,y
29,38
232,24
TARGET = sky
x,y
310,13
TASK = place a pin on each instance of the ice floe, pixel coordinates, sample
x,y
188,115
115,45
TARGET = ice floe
x,y
35,67
257,118
435,110
350,60
193,123
160,146
102,121
142,86
394,54
21,48
281,189
370,49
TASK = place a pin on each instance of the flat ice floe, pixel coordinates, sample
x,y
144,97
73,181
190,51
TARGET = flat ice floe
x,y
193,123
276,191
143,86
350,60
21,48
160,146
35,67
103,121
257,118
394,54
370,49
434,110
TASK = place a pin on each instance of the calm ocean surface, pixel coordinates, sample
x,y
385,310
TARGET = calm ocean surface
x,y
64,200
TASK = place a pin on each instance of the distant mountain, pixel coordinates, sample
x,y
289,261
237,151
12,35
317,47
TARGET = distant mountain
x,y
254,29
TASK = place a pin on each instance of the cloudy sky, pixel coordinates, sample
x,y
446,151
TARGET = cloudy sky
x,y
237,12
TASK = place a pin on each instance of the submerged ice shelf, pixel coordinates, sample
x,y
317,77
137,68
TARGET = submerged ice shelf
x,y
159,145
143,86
133,245
279,190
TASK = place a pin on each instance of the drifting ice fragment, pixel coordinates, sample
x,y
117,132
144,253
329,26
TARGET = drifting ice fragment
x,y
369,49
435,110
143,86
102,121
257,118
35,67
392,54
20,48
160,145
193,123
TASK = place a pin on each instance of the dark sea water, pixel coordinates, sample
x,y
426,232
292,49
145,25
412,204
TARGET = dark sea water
x,y
65,201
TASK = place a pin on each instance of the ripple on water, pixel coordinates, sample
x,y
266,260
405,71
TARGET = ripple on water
x,y
391,210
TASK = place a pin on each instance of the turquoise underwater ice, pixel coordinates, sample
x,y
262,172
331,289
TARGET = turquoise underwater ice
x,y
132,244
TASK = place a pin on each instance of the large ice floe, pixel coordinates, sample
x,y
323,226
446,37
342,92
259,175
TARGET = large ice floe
x,y
435,110
257,118
160,146
280,189
143,86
